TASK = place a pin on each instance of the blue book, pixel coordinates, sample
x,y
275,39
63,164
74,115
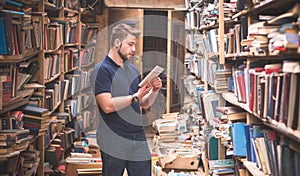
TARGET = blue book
x,y
7,17
14,12
253,131
272,94
199,90
13,3
230,84
3,49
239,139
248,141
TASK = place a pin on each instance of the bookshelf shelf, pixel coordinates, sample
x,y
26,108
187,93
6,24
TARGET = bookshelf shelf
x,y
71,70
25,93
270,7
14,103
243,56
50,5
56,51
265,7
18,58
251,167
71,44
71,10
54,77
231,98
207,28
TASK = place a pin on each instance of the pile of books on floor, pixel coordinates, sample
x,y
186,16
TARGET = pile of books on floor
x,y
166,128
31,160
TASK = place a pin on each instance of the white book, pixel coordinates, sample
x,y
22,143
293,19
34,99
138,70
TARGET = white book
x,y
154,73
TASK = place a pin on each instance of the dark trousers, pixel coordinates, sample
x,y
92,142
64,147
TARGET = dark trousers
x,y
130,152
115,167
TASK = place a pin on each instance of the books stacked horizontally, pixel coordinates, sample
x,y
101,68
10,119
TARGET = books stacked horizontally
x,y
35,119
221,81
13,141
166,127
31,160
221,167
231,113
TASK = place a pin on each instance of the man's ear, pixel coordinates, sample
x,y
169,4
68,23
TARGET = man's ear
x,y
117,43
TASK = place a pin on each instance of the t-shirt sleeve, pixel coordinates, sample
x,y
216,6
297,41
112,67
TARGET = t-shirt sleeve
x,y
103,81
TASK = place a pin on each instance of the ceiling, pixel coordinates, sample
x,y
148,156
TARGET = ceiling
x,y
148,4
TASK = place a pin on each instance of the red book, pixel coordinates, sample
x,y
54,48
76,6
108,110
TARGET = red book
x,y
242,86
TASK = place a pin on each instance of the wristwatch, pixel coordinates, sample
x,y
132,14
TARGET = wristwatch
x,y
134,99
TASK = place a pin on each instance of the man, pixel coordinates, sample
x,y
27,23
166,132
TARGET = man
x,y
120,132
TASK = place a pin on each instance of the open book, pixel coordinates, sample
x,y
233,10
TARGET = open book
x,y
154,73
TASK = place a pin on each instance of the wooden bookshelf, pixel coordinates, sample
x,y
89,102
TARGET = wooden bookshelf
x,y
266,6
238,56
277,126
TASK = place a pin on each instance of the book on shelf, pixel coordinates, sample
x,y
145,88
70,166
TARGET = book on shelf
x,y
7,20
209,102
22,79
35,111
239,139
231,112
270,142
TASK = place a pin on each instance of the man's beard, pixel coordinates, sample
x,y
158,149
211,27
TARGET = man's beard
x,y
124,58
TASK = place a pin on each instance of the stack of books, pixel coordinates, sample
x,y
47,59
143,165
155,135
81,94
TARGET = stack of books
x,y
35,119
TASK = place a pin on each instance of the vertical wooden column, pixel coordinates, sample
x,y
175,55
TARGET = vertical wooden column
x,y
41,148
41,8
221,150
221,33
169,55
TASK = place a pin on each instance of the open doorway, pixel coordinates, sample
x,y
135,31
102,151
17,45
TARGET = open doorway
x,y
155,52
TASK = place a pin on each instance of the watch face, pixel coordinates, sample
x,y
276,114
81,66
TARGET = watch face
x,y
135,99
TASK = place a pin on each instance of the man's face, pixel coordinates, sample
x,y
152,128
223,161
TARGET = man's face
x,y
127,48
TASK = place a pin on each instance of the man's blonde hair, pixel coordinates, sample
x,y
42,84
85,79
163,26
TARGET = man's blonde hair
x,y
121,31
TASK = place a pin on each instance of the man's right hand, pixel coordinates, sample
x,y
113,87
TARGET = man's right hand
x,y
144,90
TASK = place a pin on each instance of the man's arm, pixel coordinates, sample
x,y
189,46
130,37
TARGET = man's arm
x,y
111,104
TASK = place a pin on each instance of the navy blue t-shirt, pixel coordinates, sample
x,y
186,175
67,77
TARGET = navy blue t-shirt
x,y
108,77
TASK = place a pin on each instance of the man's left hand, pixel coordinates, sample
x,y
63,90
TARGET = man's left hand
x,y
156,84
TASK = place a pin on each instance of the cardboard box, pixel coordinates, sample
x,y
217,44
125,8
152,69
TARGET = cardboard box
x,y
185,159
71,168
